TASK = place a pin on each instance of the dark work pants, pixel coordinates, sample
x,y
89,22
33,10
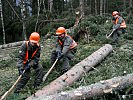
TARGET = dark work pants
x,y
26,76
115,36
64,61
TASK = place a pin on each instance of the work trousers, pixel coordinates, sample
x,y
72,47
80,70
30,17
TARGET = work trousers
x,y
64,61
26,76
115,36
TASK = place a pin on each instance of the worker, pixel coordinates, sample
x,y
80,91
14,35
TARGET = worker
x,y
118,27
65,49
29,55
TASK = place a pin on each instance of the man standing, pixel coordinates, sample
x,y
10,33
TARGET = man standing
x,y
29,55
118,27
65,49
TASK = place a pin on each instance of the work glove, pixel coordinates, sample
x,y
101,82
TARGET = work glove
x,y
20,68
20,71
59,55
114,29
31,63
27,66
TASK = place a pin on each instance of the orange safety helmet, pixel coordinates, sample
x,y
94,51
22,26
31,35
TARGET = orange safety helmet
x,y
34,37
115,13
60,31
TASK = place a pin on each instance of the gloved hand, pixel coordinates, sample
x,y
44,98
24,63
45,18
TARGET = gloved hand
x,y
59,55
31,63
114,29
27,66
20,71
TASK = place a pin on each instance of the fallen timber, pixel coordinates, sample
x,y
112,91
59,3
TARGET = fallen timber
x,y
97,89
74,73
10,45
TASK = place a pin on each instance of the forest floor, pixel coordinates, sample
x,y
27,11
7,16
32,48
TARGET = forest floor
x,y
116,64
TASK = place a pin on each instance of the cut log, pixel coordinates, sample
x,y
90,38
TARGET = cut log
x,y
97,89
55,20
74,73
10,45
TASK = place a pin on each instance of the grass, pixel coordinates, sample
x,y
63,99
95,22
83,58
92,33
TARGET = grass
x,y
116,64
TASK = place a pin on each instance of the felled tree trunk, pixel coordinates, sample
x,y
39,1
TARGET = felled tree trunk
x,y
74,73
97,89
10,45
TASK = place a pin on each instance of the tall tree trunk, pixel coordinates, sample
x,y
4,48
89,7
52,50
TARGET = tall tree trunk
x,y
130,11
101,7
71,4
34,7
96,7
82,7
44,8
90,6
4,40
75,72
22,6
93,90
51,5
38,13
104,10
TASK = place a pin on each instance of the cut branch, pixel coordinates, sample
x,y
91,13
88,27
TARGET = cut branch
x,y
74,73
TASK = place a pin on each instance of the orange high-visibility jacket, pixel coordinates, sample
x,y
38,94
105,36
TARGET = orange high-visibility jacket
x,y
123,24
26,57
72,45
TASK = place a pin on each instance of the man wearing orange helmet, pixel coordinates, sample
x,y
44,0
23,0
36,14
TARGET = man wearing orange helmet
x,y
118,27
65,49
29,55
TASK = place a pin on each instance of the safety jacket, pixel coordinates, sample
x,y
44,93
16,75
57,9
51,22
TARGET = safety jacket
x,y
72,45
26,56
123,24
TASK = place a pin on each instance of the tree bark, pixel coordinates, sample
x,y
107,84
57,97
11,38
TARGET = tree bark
x,y
101,7
82,7
22,5
97,89
55,20
130,11
74,73
38,13
44,8
96,7
51,6
10,45
3,28
90,6
104,10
